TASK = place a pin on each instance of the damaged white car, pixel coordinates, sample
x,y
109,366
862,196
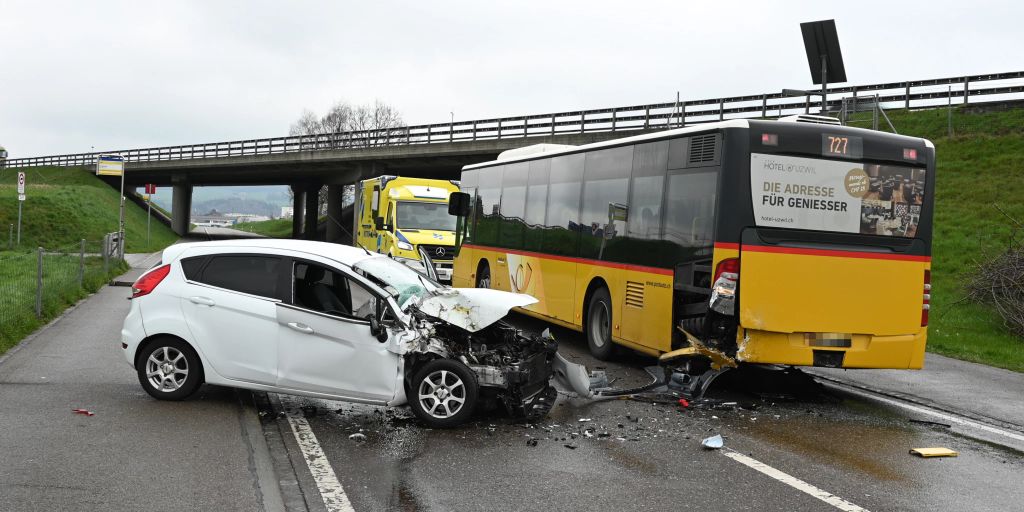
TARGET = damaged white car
x,y
335,322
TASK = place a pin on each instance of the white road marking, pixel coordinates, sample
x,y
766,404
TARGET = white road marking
x,y
794,482
924,410
333,494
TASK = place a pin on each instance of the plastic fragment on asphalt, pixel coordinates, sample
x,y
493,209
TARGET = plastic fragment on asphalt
x,y
357,437
684,402
713,442
584,420
83,412
934,452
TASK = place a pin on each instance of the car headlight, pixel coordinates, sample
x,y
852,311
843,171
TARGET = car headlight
x,y
405,246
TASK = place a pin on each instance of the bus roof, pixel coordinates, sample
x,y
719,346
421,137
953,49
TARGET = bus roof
x,y
668,134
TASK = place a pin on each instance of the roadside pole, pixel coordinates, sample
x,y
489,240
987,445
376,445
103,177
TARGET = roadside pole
x,y
39,282
149,217
120,224
21,200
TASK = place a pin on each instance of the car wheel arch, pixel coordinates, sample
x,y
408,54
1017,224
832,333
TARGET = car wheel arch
x,y
149,340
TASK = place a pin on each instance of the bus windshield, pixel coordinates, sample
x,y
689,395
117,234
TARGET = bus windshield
x,y
417,215
830,195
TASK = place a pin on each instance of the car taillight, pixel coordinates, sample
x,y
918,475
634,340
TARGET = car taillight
x,y
731,265
147,283
926,305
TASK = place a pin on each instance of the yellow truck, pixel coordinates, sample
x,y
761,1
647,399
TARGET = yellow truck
x,y
402,216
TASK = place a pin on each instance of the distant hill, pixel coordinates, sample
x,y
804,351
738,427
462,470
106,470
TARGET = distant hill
x,y
237,205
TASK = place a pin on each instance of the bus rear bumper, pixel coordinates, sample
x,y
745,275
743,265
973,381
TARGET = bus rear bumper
x,y
803,349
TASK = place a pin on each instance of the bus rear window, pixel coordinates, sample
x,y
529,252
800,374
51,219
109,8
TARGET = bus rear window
x,y
829,195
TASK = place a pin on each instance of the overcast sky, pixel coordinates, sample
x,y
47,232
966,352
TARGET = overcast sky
x,y
116,75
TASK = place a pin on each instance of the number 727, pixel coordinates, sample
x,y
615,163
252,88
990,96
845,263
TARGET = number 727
x,y
837,144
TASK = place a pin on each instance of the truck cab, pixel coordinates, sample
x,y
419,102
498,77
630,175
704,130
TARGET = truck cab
x,y
400,216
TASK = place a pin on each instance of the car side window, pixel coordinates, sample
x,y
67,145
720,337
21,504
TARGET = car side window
x,y
192,266
246,273
319,288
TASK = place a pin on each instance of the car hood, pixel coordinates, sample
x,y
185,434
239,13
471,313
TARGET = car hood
x,y
472,308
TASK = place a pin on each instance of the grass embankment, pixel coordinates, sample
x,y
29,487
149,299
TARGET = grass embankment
x,y
64,206
980,166
18,274
276,228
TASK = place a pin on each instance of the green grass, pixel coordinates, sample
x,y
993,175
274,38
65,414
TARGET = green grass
x,y
18,273
982,165
276,228
64,206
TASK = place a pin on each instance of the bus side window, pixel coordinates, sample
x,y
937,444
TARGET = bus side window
x,y
561,225
513,203
487,205
648,187
606,183
690,208
536,204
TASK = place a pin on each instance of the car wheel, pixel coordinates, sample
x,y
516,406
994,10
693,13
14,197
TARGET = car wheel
x,y
599,325
169,369
483,276
444,393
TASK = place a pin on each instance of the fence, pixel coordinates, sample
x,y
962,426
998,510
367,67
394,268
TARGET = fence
x,y
908,94
38,284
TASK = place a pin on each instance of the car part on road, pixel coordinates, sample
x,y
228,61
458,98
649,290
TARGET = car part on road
x,y
169,369
933,452
713,443
83,412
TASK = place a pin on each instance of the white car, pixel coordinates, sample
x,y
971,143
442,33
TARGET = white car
x,y
335,322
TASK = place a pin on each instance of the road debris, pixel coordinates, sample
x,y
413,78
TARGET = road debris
x,y
83,412
570,446
713,443
932,423
358,437
531,442
933,452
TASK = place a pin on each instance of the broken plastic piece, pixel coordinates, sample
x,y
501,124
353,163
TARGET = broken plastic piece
x,y
83,412
357,437
934,452
713,443
684,402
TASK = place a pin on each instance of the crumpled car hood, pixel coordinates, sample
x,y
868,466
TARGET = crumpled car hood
x,y
472,308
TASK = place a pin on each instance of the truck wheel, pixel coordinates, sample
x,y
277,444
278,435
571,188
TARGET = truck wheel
x,y
599,325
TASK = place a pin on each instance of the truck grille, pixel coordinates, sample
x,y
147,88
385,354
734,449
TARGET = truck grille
x,y
439,252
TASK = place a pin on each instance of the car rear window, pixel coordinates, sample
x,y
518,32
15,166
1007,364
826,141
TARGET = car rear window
x,y
256,275
192,266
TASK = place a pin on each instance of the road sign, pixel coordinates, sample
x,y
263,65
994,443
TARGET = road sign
x,y
21,184
21,197
150,188
109,165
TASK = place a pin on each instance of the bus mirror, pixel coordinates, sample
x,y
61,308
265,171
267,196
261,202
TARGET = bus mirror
x,y
378,223
458,204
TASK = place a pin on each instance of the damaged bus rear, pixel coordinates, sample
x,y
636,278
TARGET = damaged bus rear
x,y
798,242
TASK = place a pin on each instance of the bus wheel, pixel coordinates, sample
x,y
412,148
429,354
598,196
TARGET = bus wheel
x,y
599,325
483,276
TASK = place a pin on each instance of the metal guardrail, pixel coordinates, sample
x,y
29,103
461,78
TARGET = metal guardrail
x,y
910,95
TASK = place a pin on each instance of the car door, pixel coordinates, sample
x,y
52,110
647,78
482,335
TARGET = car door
x,y
324,340
229,305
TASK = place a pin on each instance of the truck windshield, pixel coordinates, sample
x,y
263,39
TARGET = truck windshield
x,y
416,215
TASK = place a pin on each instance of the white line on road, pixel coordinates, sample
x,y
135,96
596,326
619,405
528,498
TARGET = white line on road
x,y
794,482
333,494
925,410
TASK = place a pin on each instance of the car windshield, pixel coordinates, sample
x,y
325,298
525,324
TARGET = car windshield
x,y
392,275
414,215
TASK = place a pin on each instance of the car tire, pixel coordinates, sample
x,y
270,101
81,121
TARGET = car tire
x,y
443,393
483,276
599,325
169,369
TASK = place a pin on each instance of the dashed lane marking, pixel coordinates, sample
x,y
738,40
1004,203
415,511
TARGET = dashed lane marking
x,y
331,491
794,482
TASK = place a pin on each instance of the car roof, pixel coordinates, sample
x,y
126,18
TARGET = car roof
x,y
344,254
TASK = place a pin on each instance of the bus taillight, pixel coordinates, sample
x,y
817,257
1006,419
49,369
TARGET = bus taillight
x,y
926,305
731,265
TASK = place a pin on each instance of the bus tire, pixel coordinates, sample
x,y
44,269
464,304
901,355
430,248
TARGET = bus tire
x,y
598,326
483,275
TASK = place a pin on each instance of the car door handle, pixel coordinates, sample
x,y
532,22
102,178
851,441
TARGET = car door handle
x,y
301,327
202,300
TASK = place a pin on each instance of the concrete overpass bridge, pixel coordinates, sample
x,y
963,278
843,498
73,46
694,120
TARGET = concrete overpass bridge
x,y
309,162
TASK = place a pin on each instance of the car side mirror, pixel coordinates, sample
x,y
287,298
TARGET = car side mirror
x,y
377,330
458,204
378,223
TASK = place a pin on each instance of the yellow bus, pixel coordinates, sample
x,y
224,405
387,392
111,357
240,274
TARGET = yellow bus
x,y
403,216
797,242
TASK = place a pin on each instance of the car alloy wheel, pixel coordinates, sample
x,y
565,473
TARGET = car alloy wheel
x,y
442,394
167,369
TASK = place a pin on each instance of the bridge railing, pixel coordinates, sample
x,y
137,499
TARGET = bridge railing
x,y
915,94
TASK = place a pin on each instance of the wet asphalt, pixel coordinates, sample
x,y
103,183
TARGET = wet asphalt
x,y
630,455
219,451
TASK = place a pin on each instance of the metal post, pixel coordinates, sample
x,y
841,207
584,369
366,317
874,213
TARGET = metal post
x,y
106,254
39,282
81,265
824,85
149,218
120,225
19,222
647,118
906,103
949,110
764,106
499,128
682,113
807,104
874,114
583,122
675,110
614,119
967,88
721,109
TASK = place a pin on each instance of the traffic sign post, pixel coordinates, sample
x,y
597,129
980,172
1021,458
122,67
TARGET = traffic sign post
x,y
150,190
21,200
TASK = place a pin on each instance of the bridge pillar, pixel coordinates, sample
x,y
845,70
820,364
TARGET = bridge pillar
x,y
335,230
312,215
181,208
298,202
